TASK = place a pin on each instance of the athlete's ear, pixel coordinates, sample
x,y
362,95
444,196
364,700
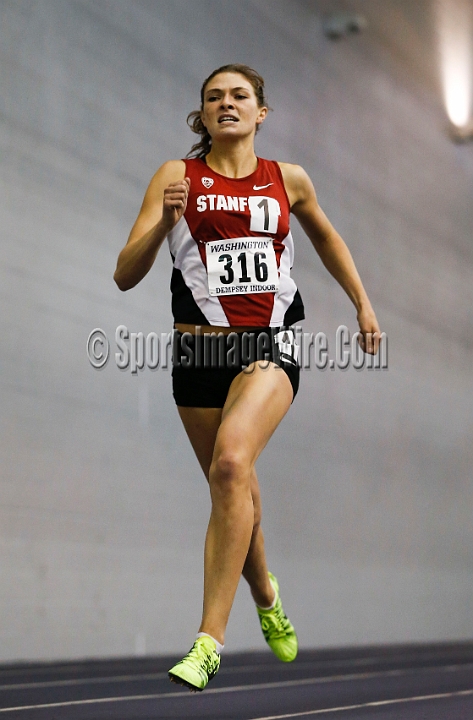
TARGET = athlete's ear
x,y
261,115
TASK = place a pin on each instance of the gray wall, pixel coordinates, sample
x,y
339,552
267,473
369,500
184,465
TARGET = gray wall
x,y
367,484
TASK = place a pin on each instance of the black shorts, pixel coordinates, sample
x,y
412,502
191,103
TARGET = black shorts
x,y
204,366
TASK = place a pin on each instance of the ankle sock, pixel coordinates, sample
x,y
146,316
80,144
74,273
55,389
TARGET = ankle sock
x,y
219,645
274,601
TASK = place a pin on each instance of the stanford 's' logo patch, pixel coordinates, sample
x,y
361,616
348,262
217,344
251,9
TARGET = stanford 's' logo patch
x,y
207,182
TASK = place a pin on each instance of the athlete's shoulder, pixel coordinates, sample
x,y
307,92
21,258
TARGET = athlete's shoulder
x,y
170,171
296,181
292,173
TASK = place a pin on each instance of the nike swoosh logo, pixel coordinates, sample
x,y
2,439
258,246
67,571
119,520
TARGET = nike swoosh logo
x,y
261,187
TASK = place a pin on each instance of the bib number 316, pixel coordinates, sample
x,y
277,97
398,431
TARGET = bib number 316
x,y
241,265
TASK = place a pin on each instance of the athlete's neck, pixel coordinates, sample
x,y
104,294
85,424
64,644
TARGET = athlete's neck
x,y
233,162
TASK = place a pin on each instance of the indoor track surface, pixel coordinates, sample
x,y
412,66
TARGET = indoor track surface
x,y
408,682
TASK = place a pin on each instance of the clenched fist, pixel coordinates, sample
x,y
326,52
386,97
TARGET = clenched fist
x,y
175,202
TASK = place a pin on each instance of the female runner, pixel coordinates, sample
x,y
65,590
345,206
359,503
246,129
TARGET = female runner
x,y
226,213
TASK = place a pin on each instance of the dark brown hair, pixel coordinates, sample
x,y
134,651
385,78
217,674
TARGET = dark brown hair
x,y
194,119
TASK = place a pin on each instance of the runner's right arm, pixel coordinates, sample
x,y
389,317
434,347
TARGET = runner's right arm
x,y
164,204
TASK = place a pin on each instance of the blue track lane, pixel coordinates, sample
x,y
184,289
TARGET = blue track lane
x,y
428,682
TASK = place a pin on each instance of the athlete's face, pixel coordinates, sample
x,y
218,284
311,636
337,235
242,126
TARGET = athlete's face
x,y
230,107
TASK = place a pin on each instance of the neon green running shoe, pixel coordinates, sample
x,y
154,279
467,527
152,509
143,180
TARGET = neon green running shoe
x,y
198,667
277,629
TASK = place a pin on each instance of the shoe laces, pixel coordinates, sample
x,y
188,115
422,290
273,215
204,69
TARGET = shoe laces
x,y
202,658
275,624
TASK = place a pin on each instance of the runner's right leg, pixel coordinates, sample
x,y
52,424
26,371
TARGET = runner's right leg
x,y
257,401
201,425
255,404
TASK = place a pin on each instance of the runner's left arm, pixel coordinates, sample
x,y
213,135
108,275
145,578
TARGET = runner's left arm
x,y
331,249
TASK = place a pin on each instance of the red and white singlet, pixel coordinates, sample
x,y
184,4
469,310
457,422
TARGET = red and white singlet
x,y
233,251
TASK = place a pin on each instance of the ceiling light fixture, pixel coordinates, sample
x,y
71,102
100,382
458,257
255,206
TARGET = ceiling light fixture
x,y
455,22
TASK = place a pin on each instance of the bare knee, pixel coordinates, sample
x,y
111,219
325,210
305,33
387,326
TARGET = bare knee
x,y
230,470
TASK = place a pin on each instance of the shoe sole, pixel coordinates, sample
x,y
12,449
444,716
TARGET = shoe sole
x,y
180,681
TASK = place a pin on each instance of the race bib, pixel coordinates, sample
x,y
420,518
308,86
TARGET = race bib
x,y
241,265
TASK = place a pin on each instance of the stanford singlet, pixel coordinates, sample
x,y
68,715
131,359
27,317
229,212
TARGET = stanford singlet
x,y
233,251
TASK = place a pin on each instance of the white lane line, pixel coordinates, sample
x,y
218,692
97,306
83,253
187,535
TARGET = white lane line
x,y
235,670
238,688
136,677
378,703
84,681
223,671
378,659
